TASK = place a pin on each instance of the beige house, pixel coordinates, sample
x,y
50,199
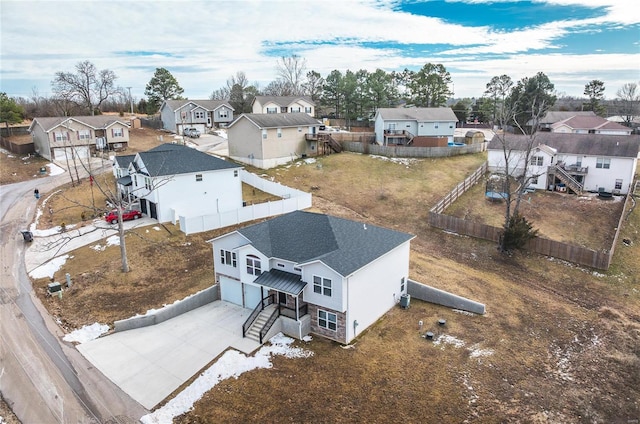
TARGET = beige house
x,y
269,140
69,137
283,104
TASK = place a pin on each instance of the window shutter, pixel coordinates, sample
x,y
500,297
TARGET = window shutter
x,y
112,133
78,134
67,136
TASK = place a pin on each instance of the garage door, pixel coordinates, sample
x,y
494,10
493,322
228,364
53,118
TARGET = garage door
x,y
252,296
231,291
62,153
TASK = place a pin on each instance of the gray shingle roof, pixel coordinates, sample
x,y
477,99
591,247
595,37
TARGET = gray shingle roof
x,y
174,159
583,144
98,121
420,114
282,100
278,120
342,244
207,104
124,160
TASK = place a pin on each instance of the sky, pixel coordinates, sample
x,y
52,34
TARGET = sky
x,y
203,43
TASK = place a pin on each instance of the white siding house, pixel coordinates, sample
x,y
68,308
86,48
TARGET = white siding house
x,y
319,274
171,179
596,162
283,104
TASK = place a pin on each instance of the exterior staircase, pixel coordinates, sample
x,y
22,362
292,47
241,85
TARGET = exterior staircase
x,y
332,142
254,331
568,180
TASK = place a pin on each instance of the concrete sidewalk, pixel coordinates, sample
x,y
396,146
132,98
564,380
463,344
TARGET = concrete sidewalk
x,y
149,363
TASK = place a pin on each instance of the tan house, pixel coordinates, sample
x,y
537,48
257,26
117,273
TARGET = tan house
x,y
283,104
589,125
269,140
69,137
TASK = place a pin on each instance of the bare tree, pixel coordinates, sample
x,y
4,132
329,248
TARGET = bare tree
x,y
628,97
278,87
526,105
88,87
292,70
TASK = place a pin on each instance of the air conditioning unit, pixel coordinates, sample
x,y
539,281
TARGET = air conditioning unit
x,y
616,191
405,299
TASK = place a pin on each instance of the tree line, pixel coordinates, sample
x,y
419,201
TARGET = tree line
x,y
351,95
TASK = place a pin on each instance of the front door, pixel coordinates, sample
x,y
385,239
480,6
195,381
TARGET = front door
x,y
153,210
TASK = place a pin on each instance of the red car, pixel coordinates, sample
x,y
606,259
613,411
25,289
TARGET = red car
x,y
127,215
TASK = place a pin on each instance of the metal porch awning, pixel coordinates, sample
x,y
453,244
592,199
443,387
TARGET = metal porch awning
x,y
281,281
125,181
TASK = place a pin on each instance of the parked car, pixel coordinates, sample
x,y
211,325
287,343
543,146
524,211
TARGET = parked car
x,y
191,132
127,215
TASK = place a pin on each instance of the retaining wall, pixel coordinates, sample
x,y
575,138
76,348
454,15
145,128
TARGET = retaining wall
x,y
441,297
170,311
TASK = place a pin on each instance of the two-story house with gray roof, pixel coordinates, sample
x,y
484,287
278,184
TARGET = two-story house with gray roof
x,y
172,180
268,140
576,162
306,272
176,115
283,104
400,126
77,137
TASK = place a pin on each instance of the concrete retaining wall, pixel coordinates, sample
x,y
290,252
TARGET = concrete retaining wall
x,y
441,297
170,311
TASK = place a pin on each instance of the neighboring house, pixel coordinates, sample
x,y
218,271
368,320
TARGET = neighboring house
x,y
283,104
589,125
203,115
579,162
172,178
318,273
553,116
70,137
268,140
121,172
402,125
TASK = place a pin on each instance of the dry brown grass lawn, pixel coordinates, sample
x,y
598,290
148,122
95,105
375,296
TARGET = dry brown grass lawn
x,y
15,168
559,342
557,216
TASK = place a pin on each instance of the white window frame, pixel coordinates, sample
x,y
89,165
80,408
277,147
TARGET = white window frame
x,y
254,266
198,114
264,134
118,132
618,185
198,177
272,110
223,113
603,163
84,134
322,285
307,109
327,320
228,257
536,161
61,136
279,132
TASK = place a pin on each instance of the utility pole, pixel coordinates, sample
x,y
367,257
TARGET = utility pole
x,y
130,99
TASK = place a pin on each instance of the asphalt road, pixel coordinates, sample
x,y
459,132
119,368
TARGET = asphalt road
x,y
42,378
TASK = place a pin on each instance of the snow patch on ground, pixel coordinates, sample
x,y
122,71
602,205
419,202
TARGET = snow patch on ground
x,y
110,241
49,268
231,364
446,339
86,333
460,311
477,352
54,169
156,228
400,161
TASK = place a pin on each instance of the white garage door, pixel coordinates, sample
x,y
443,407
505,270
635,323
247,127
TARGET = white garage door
x,y
252,296
64,153
231,291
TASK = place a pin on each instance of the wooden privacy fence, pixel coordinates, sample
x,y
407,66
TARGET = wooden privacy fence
x,y
572,253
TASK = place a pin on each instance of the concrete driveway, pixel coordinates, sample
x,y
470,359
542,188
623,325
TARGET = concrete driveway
x,y
149,363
